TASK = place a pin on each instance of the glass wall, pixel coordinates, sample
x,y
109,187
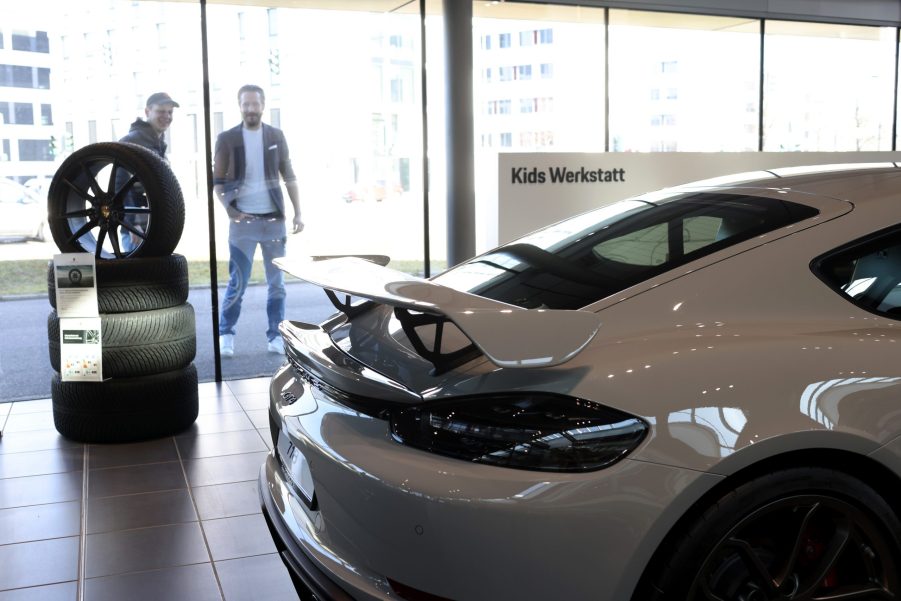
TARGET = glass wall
x,y
346,88
828,87
343,86
538,86
683,82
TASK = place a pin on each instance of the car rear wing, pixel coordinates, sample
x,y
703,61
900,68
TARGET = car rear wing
x,y
509,336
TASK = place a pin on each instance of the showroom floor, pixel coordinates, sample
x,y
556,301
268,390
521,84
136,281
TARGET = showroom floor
x,y
176,518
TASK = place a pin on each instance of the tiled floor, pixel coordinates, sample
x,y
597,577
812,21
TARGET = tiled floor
x,y
171,519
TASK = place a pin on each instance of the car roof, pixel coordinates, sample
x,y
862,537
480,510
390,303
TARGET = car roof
x,y
853,182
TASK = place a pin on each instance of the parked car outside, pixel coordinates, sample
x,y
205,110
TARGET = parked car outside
x,y
24,213
690,394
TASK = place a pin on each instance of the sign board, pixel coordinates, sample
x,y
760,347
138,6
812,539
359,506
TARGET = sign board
x,y
79,317
538,189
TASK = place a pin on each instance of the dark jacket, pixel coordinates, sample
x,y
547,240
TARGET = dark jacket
x,y
228,163
143,134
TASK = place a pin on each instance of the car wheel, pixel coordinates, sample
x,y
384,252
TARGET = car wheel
x,y
103,189
791,535
126,409
138,344
135,284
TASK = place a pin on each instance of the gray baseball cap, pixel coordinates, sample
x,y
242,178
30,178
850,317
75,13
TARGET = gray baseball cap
x,y
161,98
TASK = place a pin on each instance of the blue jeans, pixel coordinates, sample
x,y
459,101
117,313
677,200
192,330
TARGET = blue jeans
x,y
243,237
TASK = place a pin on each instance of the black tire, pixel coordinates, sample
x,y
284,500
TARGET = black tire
x,y
100,188
138,344
126,409
135,284
793,534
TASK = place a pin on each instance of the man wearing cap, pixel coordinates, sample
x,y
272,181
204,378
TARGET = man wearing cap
x,y
149,134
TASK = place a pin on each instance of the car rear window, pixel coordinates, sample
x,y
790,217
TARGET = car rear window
x,y
576,262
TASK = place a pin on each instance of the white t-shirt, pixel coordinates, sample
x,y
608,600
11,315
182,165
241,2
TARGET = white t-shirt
x,y
253,197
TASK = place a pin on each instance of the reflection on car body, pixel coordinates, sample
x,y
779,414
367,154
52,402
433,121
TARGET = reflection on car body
x,y
691,394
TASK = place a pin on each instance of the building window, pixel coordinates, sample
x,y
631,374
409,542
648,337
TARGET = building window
x,y
92,132
5,156
526,38
547,70
524,72
488,74
35,150
397,89
504,106
4,114
486,42
31,43
275,117
672,94
218,123
506,73
24,113
507,140
668,66
546,36
504,39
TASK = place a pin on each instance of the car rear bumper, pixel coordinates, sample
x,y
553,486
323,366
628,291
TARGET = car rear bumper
x,y
314,568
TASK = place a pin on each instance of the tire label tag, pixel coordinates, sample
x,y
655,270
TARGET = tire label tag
x,y
76,285
80,358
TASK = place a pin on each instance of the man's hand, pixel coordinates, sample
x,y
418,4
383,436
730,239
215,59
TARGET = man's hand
x,y
233,213
298,224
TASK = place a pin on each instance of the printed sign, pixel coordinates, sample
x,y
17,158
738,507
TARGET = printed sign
x,y
76,285
80,349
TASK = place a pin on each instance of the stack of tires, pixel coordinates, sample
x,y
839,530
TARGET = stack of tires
x,y
148,336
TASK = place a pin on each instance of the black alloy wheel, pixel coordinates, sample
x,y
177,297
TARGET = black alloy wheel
x,y
798,534
800,548
105,190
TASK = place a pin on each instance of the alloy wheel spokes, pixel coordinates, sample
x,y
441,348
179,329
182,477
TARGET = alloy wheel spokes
x,y
82,193
834,549
111,184
866,592
709,595
802,548
799,544
126,187
92,180
755,567
84,229
78,213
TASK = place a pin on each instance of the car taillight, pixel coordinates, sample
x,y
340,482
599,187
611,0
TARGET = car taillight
x,y
534,431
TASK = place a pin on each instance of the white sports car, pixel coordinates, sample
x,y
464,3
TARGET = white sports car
x,y
691,394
